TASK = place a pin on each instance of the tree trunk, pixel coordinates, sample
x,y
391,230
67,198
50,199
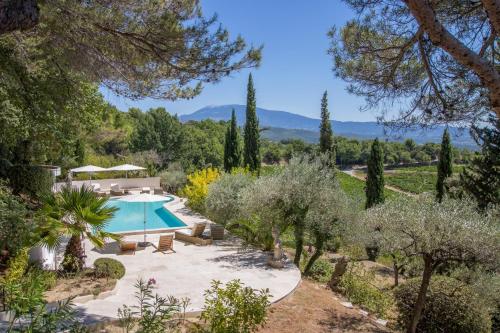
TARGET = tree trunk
x,y
419,304
340,269
396,274
277,252
299,242
396,268
441,37
74,255
319,251
18,15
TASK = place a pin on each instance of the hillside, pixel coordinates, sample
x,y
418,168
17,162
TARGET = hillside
x,y
286,125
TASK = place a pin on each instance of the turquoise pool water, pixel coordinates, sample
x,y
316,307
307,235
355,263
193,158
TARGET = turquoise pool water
x,y
130,216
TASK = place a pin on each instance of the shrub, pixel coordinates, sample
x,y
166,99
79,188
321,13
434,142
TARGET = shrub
x,y
321,270
15,229
152,313
450,306
357,286
109,268
17,266
32,180
197,188
223,201
173,179
235,308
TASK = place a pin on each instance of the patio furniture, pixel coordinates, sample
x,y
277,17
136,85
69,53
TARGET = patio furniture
x,y
216,231
158,191
116,190
128,246
193,235
146,189
96,187
166,243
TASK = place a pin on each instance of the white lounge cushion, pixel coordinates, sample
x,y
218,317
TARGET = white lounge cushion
x,y
187,232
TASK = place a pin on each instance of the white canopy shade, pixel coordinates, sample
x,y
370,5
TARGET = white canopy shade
x,y
143,197
125,167
89,169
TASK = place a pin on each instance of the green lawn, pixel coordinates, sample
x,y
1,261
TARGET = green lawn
x,y
355,188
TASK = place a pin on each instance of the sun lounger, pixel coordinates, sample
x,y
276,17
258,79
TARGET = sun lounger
x,y
193,235
128,246
96,187
116,190
158,191
166,243
146,189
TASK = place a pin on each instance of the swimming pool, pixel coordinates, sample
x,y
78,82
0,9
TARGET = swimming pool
x,y
130,216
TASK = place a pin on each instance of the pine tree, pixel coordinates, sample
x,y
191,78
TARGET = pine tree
x,y
252,144
326,144
444,165
481,178
232,151
375,177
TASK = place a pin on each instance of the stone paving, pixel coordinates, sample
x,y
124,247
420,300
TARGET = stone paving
x,y
188,272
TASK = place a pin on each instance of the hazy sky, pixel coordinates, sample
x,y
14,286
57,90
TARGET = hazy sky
x,y
295,68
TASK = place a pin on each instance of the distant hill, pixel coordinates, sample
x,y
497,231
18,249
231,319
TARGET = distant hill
x,y
287,125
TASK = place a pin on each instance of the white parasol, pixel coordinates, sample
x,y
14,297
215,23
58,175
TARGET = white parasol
x,y
143,197
126,168
90,169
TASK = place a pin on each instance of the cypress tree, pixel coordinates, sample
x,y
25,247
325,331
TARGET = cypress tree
x,y
481,178
444,165
375,176
326,143
232,151
252,144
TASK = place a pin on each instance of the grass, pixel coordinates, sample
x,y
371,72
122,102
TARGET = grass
x,y
355,188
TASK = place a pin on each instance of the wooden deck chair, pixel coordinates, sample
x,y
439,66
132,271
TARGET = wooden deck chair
x,y
128,246
166,243
193,235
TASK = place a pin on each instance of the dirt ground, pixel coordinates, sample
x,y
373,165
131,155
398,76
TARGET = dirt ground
x,y
313,308
78,286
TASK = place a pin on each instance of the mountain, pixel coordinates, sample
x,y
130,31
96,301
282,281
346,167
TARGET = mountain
x,y
287,125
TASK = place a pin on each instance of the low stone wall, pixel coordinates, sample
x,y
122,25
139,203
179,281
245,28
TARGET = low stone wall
x,y
152,182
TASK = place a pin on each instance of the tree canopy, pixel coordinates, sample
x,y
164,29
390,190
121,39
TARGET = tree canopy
x,y
251,152
164,49
435,61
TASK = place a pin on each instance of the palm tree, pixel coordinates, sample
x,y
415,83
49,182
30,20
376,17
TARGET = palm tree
x,y
77,213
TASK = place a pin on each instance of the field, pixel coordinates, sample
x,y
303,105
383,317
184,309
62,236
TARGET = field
x,y
414,182
355,188
415,179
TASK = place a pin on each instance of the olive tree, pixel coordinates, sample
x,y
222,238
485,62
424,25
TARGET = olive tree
x,y
328,216
438,233
285,197
223,201
299,187
261,201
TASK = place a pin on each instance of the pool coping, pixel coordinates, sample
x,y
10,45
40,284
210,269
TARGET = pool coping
x,y
157,230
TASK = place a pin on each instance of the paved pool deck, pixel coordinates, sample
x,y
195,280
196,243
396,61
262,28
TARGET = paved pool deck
x,y
188,272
